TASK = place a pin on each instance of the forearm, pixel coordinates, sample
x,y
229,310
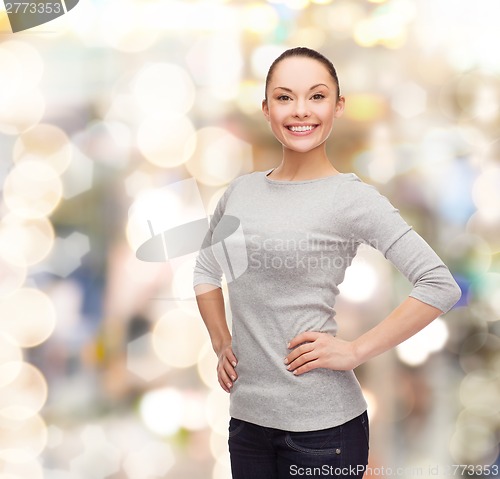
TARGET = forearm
x,y
407,319
211,306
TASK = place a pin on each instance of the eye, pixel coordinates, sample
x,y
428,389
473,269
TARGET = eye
x,y
318,96
283,98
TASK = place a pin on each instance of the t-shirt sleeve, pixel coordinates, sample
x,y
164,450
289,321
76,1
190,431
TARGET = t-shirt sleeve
x,y
432,281
376,222
207,269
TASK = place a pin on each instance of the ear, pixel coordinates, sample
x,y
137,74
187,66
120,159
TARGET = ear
x,y
339,107
265,109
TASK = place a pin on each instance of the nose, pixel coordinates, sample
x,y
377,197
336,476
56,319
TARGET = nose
x,y
301,109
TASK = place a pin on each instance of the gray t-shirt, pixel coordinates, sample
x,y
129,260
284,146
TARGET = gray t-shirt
x,y
283,247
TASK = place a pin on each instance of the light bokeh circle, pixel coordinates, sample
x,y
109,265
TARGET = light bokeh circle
x,y
28,316
12,277
11,357
219,156
21,110
32,189
25,395
46,143
166,140
25,242
22,441
163,87
178,337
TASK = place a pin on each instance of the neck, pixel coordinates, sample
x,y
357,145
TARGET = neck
x,y
302,166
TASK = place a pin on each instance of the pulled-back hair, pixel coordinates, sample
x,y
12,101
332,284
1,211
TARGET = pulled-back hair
x,y
308,53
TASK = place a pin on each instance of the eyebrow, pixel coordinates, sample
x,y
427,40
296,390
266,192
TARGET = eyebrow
x,y
288,89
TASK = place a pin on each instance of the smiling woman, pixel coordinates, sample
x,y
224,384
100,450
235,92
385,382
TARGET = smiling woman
x,y
295,402
301,111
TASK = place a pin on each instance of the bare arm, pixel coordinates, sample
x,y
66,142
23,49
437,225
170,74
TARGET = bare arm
x,y
211,306
322,350
410,317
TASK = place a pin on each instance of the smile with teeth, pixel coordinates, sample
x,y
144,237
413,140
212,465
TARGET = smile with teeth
x,y
301,128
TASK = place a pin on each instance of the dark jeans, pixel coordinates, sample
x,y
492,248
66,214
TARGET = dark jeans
x,y
259,452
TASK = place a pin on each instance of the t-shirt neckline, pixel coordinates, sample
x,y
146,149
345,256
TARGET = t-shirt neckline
x,y
289,182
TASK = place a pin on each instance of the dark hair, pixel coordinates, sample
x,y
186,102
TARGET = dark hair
x,y
308,53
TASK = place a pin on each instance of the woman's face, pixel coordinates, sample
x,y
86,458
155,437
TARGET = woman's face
x,y
302,103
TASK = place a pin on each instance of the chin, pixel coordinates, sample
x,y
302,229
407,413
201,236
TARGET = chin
x,y
301,150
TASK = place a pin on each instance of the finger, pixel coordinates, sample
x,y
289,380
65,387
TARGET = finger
x,y
306,367
299,351
231,357
301,360
225,382
223,376
223,385
304,337
230,371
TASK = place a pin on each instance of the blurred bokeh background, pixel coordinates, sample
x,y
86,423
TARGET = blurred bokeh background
x,y
106,370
